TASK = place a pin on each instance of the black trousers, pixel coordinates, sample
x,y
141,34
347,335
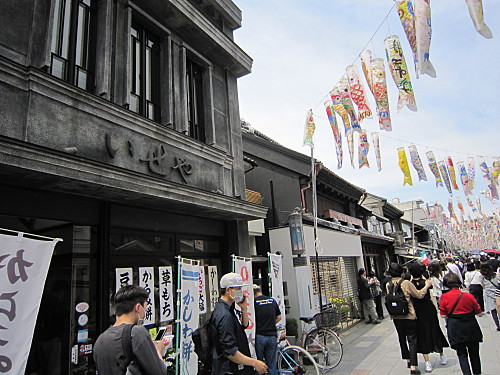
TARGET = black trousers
x,y
466,351
378,306
477,291
407,333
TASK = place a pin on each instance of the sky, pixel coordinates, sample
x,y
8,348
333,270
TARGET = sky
x,y
300,50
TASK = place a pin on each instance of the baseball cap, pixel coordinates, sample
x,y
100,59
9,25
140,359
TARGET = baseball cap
x,y
231,280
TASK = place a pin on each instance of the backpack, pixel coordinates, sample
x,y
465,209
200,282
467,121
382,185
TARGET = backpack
x,y
203,345
395,301
128,355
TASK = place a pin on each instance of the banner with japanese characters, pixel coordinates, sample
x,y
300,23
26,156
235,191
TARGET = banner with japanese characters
x,y
124,276
276,277
166,297
213,286
188,315
147,281
203,294
24,264
243,266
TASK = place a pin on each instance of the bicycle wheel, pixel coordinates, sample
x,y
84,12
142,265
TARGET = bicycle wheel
x,y
295,360
325,347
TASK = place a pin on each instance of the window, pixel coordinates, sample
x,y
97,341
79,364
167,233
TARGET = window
x,y
194,84
73,42
144,77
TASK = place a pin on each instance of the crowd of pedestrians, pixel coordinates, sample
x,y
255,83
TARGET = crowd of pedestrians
x,y
458,291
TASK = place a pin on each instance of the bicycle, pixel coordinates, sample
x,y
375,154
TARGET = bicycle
x,y
295,360
322,342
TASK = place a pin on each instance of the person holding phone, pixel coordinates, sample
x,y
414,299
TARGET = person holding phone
x,y
126,346
231,353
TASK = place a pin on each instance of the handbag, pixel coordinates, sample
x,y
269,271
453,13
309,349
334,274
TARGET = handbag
x,y
497,291
456,303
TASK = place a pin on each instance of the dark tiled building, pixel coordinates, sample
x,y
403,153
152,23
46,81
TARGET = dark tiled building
x,y
119,133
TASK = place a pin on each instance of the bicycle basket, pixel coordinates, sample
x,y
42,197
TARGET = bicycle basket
x,y
328,318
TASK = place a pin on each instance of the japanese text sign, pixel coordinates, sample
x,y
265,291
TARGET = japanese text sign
x,y
147,281
203,294
123,277
213,286
243,266
188,318
166,298
24,264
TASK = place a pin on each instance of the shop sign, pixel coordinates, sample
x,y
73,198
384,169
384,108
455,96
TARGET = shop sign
x,y
213,286
74,354
188,315
123,277
243,266
203,295
276,273
83,319
85,349
82,335
24,263
82,307
147,281
166,296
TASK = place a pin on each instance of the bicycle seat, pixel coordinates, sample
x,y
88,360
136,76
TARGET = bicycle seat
x,y
306,319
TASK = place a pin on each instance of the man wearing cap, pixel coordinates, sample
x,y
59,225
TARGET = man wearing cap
x,y
231,352
267,314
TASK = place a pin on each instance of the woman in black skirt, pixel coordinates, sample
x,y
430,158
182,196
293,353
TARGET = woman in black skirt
x,y
464,332
430,337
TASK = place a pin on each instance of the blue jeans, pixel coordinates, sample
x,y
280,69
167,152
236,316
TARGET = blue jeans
x,y
266,348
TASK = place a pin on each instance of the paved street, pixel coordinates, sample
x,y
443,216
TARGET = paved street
x,y
374,350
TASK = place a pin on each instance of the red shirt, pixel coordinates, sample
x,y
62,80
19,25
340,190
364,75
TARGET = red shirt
x,y
466,305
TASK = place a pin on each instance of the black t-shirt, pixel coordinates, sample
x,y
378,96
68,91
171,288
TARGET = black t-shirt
x,y
266,311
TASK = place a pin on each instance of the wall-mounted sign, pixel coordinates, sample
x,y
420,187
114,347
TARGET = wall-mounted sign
x,y
166,296
83,319
83,335
123,277
147,281
85,349
82,307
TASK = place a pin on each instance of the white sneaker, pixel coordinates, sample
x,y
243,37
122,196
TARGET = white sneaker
x,y
428,367
444,360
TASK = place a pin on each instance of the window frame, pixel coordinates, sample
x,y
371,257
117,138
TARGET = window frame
x,y
148,94
69,41
195,93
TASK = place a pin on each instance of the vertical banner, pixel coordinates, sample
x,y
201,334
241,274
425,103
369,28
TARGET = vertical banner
x,y
243,267
188,316
147,281
213,286
24,264
123,277
276,278
202,302
166,297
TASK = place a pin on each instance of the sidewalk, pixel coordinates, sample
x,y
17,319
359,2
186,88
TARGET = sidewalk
x,y
374,350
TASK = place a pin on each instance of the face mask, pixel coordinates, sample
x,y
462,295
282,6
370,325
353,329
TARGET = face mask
x,y
238,295
140,321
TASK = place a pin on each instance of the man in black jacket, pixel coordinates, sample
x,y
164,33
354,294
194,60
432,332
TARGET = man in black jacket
x,y
231,351
366,297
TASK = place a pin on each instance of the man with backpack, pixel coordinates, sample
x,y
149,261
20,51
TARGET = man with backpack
x,y
400,307
231,353
126,347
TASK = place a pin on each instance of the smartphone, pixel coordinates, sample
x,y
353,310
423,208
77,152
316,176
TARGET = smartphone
x,y
160,334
